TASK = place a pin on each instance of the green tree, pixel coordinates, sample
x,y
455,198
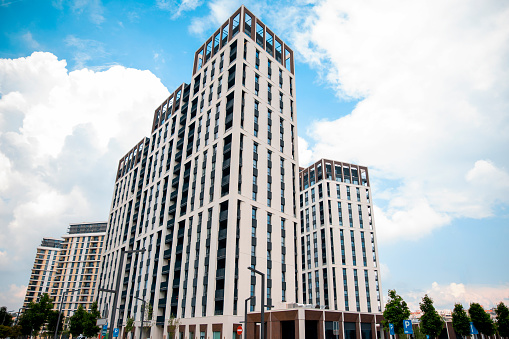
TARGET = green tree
x,y
396,310
481,319
129,326
36,315
173,326
52,322
5,331
90,327
502,320
418,333
431,322
5,317
460,320
15,331
83,322
77,321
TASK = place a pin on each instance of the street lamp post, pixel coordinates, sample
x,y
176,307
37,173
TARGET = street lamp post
x,y
60,309
262,322
19,313
245,313
117,288
142,315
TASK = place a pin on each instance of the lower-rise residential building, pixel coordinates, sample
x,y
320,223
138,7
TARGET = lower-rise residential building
x,y
43,271
76,275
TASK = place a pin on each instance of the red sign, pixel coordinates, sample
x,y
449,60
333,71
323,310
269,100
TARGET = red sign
x,y
239,330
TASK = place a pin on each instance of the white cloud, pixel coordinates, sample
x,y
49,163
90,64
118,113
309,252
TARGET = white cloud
x,y
178,8
445,296
13,297
305,154
93,8
30,41
220,10
86,50
61,136
431,77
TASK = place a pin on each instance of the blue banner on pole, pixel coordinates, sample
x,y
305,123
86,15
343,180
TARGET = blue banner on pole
x,y
391,329
473,330
407,326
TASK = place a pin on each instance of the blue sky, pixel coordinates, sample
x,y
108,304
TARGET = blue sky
x,y
416,91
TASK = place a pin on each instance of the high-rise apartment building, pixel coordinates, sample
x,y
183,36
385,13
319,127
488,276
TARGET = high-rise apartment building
x,y
77,268
211,192
337,247
44,268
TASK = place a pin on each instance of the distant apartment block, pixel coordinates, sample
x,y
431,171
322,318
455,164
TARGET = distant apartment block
x,y
78,265
45,263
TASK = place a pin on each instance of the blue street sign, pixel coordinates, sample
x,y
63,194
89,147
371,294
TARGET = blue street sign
x,y
391,329
407,326
427,336
473,330
105,327
115,332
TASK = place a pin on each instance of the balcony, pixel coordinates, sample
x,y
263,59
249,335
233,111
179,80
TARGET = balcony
x,y
179,249
178,156
222,234
163,286
162,302
172,209
219,294
225,180
220,273
165,269
221,253
180,233
167,254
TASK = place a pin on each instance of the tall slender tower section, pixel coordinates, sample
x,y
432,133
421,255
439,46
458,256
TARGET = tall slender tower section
x,y
337,255
212,191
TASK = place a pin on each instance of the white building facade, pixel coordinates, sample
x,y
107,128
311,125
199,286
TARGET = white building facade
x,y
211,192
337,248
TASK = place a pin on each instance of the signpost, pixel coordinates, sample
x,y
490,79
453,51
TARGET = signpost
x,y
104,331
407,326
101,321
391,329
239,330
115,332
473,330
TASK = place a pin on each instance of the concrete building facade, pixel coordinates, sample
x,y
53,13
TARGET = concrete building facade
x,y
77,269
337,246
43,271
216,188
211,192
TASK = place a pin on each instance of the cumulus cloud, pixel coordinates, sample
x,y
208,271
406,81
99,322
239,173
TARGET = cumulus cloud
x,y
220,10
61,135
13,296
431,77
178,7
445,296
